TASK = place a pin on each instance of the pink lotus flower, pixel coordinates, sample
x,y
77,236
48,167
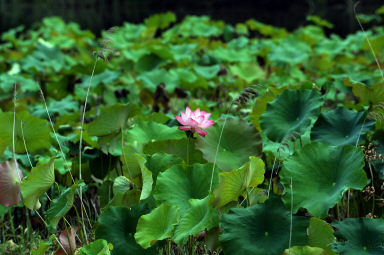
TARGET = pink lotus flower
x,y
195,121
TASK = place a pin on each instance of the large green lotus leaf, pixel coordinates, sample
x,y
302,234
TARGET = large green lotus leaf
x,y
261,229
157,76
361,236
45,58
305,250
320,234
340,127
159,162
98,247
320,175
176,147
290,51
60,107
178,184
201,216
207,72
146,177
234,183
239,141
150,131
292,111
36,132
60,206
111,119
248,71
117,225
157,225
37,182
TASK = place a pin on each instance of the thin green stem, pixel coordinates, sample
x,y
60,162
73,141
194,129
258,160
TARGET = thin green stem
x,y
218,146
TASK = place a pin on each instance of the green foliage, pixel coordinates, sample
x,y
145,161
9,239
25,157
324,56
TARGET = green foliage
x,y
320,175
362,236
292,111
148,184
38,181
238,141
261,229
178,184
117,225
340,127
35,130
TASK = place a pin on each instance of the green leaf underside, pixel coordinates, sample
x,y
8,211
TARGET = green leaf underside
x,y
320,234
320,175
261,229
178,184
234,183
37,182
201,216
239,141
98,247
292,111
157,225
60,206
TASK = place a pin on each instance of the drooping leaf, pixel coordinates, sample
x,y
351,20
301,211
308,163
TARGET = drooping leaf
x,y
200,216
320,175
292,111
320,234
146,176
36,132
239,141
261,229
359,236
60,206
159,162
36,183
98,247
234,183
178,184
67,241
10,180
340,127
157,225
117,225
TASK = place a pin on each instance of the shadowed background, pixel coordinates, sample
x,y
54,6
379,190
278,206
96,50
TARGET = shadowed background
x,y
102,14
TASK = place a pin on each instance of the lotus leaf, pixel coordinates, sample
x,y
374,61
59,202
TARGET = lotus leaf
x,y
238,141
261,229
320,175
292,111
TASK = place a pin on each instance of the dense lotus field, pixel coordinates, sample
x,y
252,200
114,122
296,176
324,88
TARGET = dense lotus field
x,y
191,137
